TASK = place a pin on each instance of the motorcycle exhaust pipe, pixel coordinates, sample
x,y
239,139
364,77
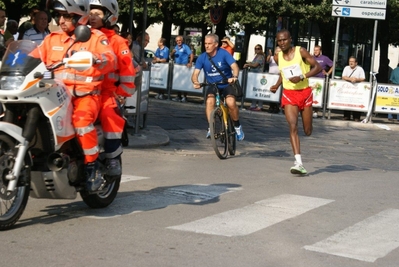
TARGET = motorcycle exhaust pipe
x,y
57,161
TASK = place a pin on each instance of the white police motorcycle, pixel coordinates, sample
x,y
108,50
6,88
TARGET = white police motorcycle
x,y
39,154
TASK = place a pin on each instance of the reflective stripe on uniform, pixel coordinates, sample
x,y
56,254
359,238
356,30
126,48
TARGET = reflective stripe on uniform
x,y
112,135
91,151
77,77
114,154
84,130
127,89
127,79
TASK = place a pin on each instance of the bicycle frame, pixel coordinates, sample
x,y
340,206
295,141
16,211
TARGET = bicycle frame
x,y
223,106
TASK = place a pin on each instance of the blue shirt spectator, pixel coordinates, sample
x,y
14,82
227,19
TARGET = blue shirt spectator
x,y
182,53
162,52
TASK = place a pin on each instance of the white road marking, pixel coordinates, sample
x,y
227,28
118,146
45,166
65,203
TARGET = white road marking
x,y
129,178
254,217
367,240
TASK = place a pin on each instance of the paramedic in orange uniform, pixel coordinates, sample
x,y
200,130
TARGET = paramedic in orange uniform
x,y
83,85
118,84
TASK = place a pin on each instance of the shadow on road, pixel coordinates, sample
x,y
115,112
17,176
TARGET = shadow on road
x,y
137,201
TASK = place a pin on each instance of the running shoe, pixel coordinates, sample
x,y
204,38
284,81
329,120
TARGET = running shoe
x,y
239,133
298,169
208,134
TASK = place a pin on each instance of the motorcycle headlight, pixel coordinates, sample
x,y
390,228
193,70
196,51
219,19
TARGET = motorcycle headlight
x,y
11,82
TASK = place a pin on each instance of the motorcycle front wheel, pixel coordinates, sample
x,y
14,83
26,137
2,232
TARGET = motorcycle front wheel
x,y
12,204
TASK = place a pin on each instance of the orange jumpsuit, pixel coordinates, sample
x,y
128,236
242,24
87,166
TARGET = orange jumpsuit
x,y
121,83
85,84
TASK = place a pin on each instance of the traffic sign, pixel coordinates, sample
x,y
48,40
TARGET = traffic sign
x,y
361,3
355,12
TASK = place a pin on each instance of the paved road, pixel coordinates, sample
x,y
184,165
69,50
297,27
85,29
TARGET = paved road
x,y
335,143
179,205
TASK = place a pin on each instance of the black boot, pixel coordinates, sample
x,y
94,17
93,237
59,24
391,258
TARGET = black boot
x,y
93,176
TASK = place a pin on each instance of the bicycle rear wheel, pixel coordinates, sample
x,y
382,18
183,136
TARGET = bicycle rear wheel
x,y
218,133
231,138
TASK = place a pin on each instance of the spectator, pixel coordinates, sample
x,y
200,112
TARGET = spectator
x,y
161,56
229,68
39,29
29,23
182,55
326,64
394,78
128,37
2,42
11,29
116,28
228,45
295,65
137,49
256,65
354,74
273,69
2,20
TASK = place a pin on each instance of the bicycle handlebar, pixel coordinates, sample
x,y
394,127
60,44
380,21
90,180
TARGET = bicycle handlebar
x,y
216,83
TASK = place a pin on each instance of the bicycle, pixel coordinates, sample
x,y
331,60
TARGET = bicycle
x,y
223,134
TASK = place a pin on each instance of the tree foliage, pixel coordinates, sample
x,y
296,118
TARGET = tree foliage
x,y
253,17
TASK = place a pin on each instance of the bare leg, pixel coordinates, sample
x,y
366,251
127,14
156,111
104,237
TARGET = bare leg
x,y
233,109
291,115
210,105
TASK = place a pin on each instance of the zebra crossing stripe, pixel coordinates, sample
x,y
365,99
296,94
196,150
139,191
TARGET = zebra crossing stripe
x,y
254,217
367,240
128,178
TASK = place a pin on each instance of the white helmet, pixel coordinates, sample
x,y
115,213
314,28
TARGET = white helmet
x,y
112,8
77,7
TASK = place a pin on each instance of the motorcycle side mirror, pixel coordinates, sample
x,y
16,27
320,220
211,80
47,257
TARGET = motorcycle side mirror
x,y
82,33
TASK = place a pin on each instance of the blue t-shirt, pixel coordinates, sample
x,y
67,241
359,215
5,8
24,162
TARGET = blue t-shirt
x,y
162,53
223,61
182,54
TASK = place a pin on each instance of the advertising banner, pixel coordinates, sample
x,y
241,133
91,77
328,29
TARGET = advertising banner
x,y
131,102
159,75
387,99
258,87
317,85
344,95
182,79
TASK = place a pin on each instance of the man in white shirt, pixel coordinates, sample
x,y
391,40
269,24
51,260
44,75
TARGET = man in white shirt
x,y
354,74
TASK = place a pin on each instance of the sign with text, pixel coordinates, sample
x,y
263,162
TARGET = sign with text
x,y
258,87
355,12
382,4
317,85
344,95
387,99
159,75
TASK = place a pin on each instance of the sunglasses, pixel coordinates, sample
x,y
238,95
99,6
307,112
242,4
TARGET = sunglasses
x,y
258,48
67,17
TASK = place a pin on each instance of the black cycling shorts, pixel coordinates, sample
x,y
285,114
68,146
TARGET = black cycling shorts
x,y
228,90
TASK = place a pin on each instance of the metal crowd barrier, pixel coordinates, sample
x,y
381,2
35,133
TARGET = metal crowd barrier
x,y
328,94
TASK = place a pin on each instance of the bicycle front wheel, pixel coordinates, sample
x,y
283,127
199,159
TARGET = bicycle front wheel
x,y
218,133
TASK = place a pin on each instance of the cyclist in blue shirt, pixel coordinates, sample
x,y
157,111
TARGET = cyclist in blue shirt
x,y
226,64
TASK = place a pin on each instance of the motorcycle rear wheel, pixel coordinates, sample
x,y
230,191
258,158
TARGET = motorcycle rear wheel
x,y
105,197
12,204
101,199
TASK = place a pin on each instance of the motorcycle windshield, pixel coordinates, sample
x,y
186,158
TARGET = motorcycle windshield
x,y
18,59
